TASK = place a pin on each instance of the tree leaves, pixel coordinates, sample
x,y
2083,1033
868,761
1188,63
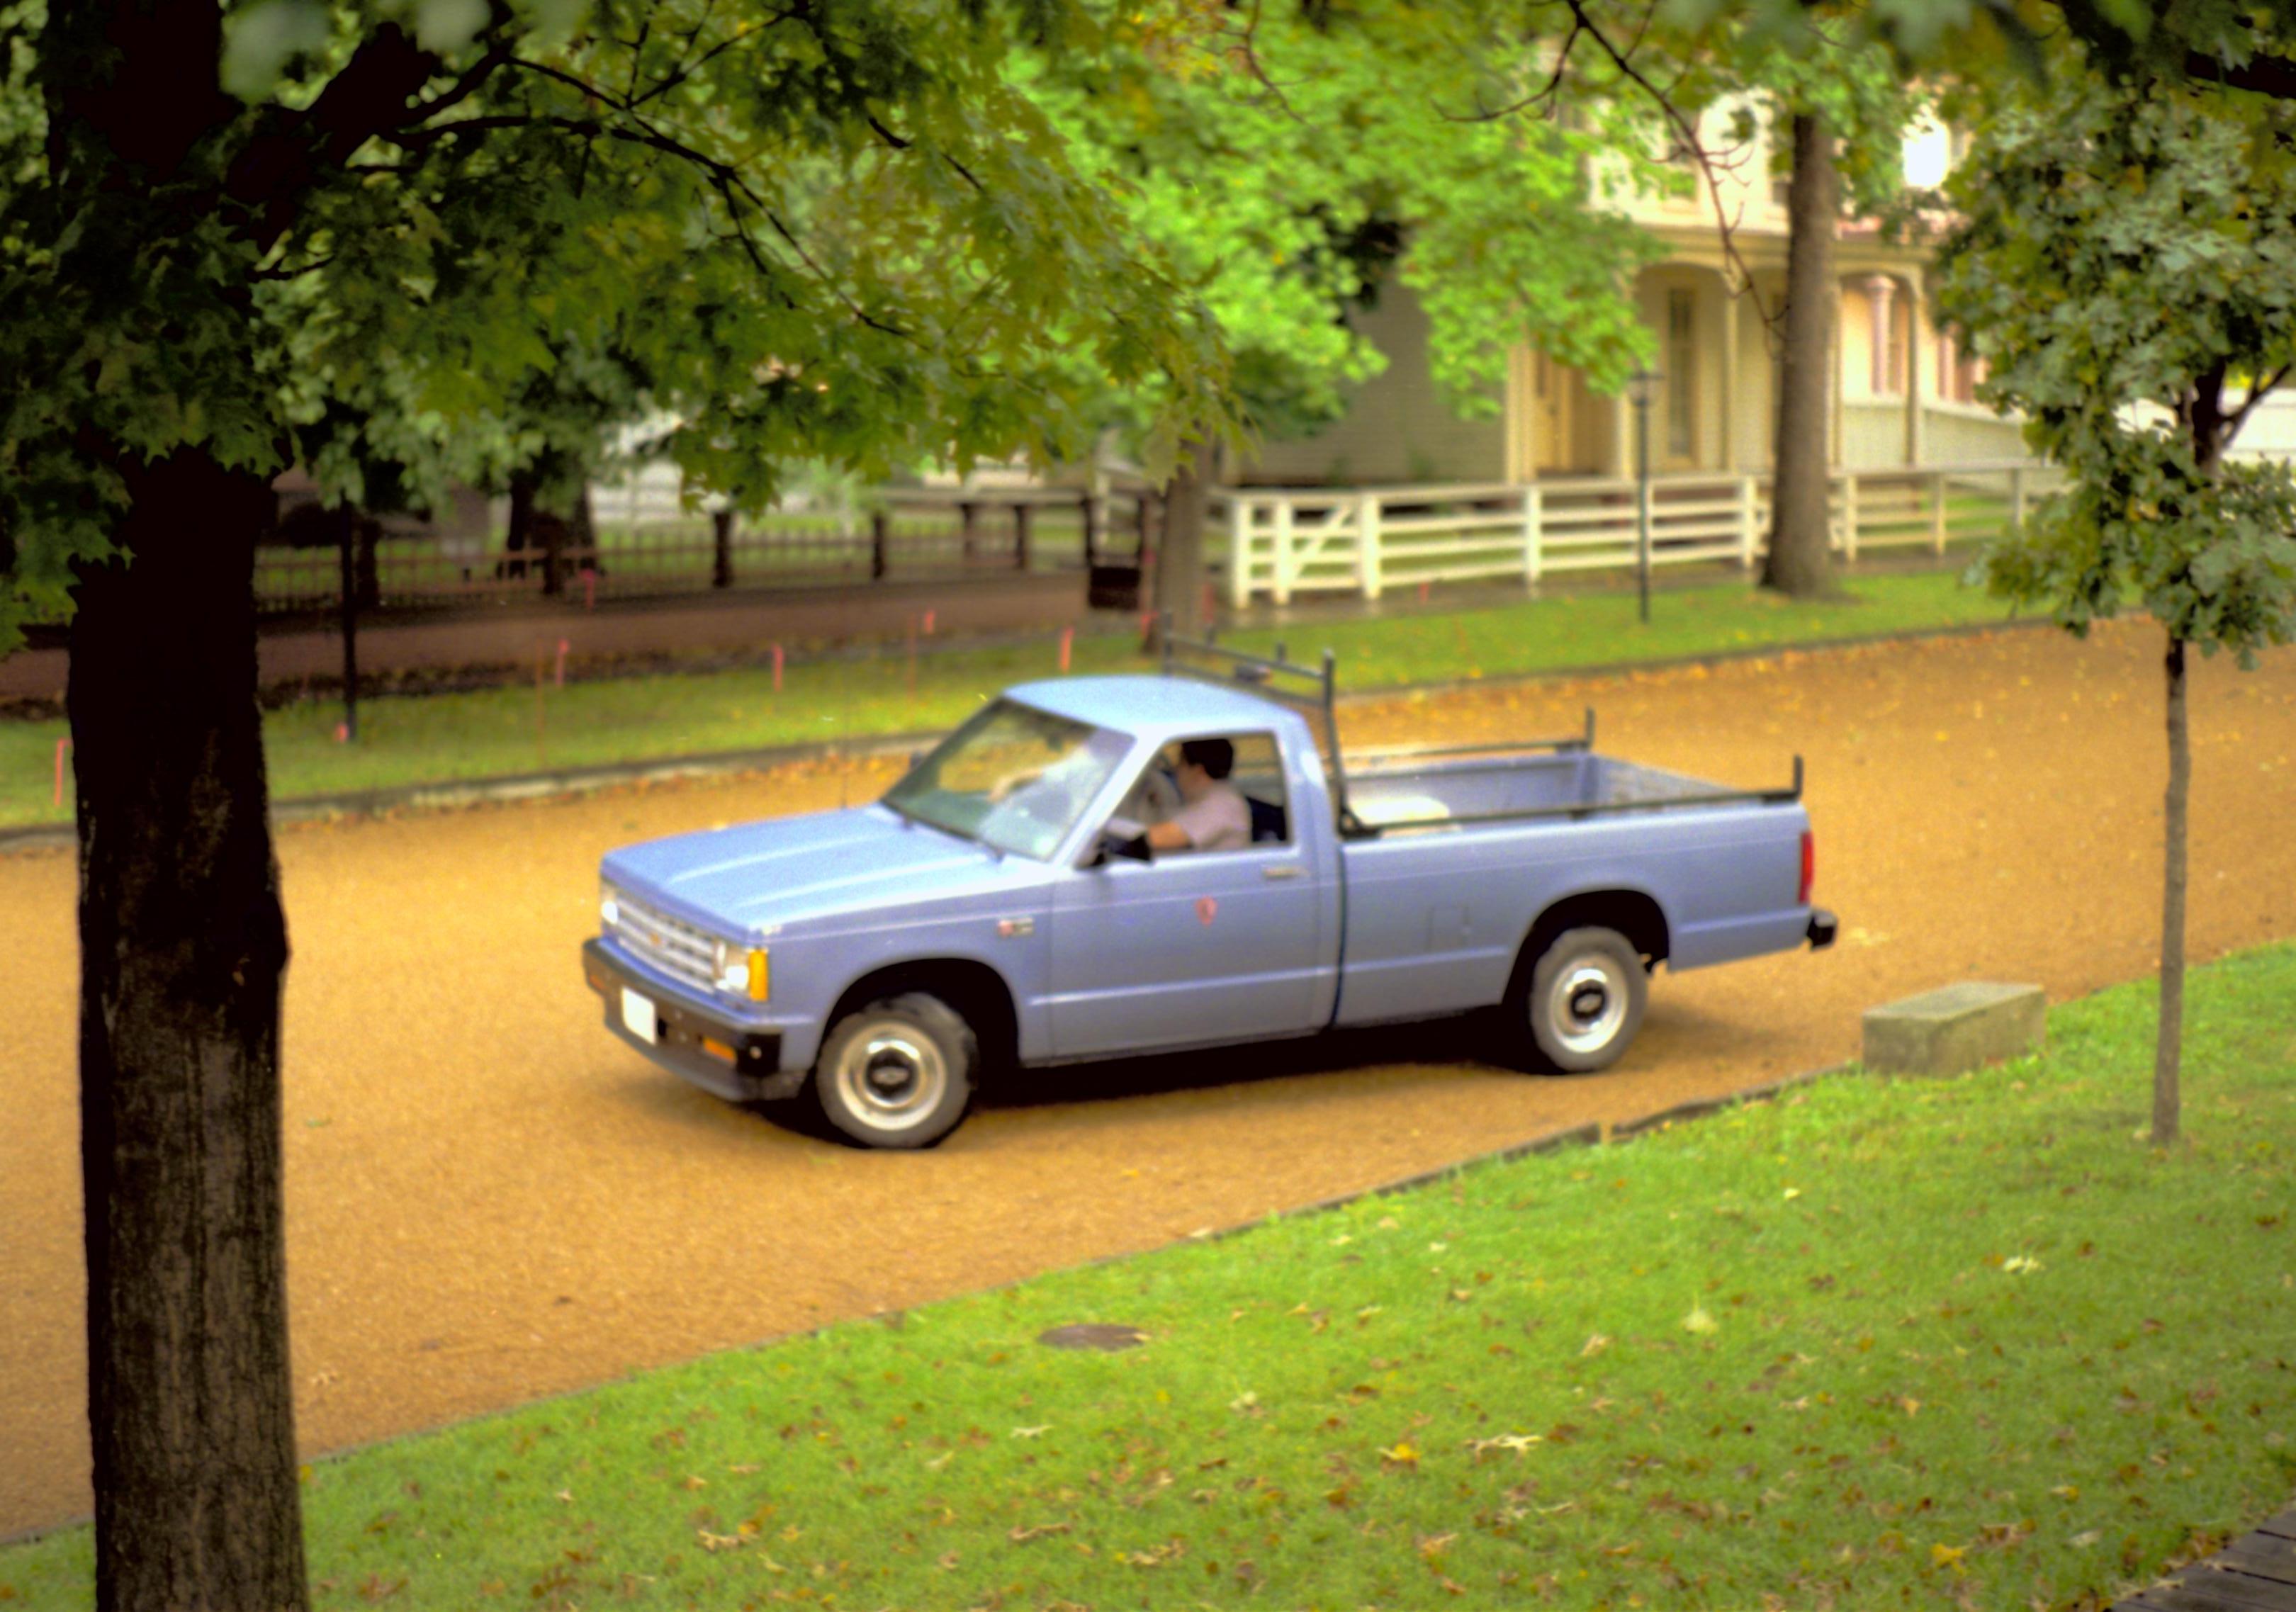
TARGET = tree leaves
x,y
839,236
2082,208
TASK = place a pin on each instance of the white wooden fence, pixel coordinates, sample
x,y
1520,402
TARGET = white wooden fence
x,y
1283,542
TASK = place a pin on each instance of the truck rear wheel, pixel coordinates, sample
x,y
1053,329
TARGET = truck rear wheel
x,y
896,1073
1582,1001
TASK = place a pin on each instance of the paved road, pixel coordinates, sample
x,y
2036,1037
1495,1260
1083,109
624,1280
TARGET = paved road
x,y
489,1199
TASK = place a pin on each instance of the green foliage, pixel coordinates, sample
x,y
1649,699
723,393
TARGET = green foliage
x,y
1910,1343
2123,253
1287,170
836,233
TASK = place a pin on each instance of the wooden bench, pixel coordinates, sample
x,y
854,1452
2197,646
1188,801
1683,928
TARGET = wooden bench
x,y
2256,1573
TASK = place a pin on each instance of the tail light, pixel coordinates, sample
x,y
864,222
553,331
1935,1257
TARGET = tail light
x,y
1809,868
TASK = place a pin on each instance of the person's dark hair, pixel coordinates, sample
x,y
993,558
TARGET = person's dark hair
x,y
1216,756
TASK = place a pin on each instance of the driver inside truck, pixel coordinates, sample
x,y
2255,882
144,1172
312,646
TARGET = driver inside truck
x,y
1211,815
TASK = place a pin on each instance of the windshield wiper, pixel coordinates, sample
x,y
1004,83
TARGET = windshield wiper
x,y
906,815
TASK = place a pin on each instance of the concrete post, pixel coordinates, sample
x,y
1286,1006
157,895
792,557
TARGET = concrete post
x,y
1532,555
1368,556
1239,550
1281,559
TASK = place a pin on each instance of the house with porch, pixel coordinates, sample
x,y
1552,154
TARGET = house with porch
x,y
1901,397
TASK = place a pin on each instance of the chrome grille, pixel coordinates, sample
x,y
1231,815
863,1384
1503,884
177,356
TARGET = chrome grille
x,y
674,946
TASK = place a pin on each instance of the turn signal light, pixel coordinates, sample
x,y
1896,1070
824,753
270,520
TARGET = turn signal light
x,y
760,980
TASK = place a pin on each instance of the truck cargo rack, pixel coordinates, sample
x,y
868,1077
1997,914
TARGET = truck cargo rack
x,y
1785,796
1379,755
1318,698
1314,690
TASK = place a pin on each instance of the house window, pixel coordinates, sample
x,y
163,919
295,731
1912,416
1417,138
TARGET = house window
x,y
1681,372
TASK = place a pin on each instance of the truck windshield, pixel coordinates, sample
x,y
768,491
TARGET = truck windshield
x,y
1013,778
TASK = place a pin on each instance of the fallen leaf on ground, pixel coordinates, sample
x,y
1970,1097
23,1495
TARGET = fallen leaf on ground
x,y
1517,1442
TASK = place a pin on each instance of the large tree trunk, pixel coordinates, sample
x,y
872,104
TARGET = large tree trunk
x,y
183,948
2167,1051
1799,564
1179,579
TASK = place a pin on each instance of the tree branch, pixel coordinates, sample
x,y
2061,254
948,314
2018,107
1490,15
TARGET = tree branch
x,y
686,69
367,99
1687,132
2257,391
2273,76
722,176
1544,94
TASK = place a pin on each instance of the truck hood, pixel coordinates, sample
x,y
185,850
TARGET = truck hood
x,y
824,864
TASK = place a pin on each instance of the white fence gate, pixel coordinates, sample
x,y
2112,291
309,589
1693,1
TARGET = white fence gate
x,y
1283,542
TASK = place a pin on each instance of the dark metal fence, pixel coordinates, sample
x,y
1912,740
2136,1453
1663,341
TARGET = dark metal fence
x,y
905,536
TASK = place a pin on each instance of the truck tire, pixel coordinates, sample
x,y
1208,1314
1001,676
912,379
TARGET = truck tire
x,y
1582,1001
896,1073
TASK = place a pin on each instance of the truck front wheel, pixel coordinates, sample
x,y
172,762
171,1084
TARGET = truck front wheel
x,y
1584,1000
896,1073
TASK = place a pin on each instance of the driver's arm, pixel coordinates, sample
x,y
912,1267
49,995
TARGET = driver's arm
x,y
1169,837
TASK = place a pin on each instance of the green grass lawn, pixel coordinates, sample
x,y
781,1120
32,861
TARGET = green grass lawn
x,y
1880,1343
448,737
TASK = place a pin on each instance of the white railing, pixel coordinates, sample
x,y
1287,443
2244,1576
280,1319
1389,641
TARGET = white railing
x,y
1283,542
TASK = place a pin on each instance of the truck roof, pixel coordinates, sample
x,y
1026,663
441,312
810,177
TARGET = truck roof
x,y
1138,704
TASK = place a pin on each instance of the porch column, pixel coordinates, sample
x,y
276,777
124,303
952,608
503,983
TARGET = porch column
x,y
1914,343
1833,371
1730,400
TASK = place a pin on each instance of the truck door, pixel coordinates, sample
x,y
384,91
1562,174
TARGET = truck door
x,y
1199,946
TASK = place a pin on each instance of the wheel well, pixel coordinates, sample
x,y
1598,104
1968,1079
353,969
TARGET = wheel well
x,y
976,991
1632,913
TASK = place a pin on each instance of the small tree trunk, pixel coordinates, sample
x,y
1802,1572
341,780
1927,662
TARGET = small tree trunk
x,y
556,536
1179,580
2167,1054
1799,564
183,945
345,522
522,523
721,548
370,571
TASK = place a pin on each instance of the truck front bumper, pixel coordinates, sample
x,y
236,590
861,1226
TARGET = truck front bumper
x,y
726,1059
1821,928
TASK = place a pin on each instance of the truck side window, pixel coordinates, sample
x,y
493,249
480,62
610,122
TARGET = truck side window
x,y
1248,770
1259,778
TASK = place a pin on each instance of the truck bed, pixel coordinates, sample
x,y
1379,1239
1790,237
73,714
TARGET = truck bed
x,y
1397,794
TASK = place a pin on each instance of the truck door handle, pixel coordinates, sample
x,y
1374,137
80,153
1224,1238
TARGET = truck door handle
x,y
1282,870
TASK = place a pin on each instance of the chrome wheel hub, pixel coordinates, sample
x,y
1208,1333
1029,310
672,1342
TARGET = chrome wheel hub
x,y
1587,1004
890,1077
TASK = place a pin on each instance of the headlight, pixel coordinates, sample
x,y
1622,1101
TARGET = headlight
x,y
609,909
742,970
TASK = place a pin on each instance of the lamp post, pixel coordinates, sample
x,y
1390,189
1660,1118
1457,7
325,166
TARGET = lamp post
x,y
1641,385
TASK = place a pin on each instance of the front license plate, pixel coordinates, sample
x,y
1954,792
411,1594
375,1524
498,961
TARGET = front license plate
x,y
638,1016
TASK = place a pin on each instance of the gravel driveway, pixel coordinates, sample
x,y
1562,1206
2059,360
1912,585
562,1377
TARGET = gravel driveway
x,y
489,1199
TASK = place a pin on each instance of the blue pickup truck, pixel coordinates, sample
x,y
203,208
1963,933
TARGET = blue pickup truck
x,y
1004,902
